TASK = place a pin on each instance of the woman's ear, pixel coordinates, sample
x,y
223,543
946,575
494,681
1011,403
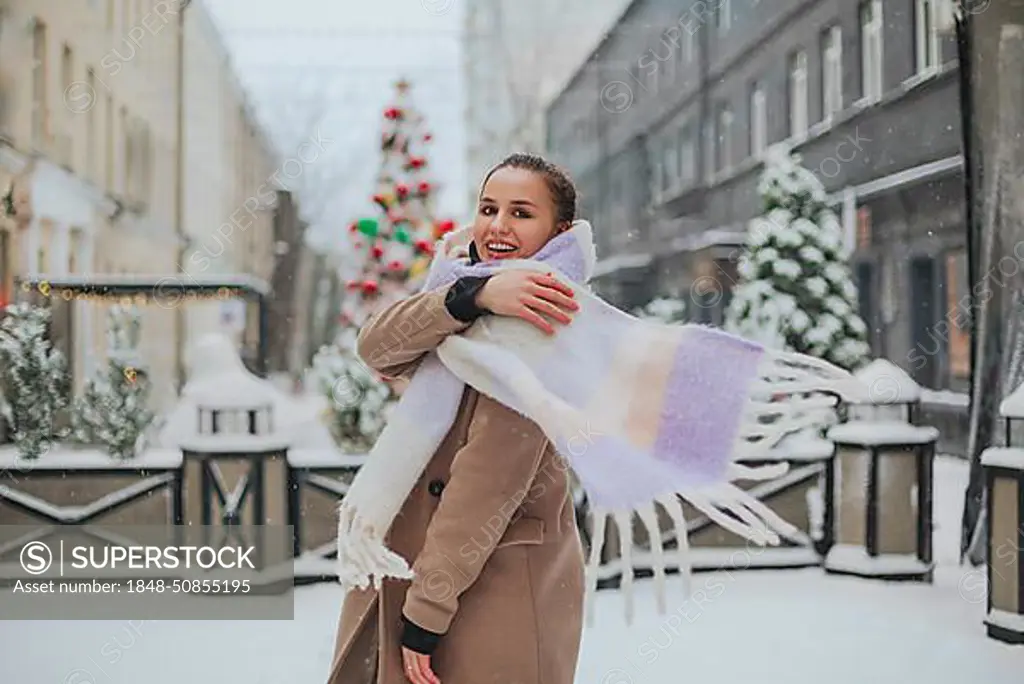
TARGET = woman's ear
x,y
562,226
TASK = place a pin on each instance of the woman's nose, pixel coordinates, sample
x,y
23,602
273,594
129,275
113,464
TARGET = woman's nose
x,y
499,223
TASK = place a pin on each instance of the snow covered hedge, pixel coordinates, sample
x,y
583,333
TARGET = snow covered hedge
x,y
795,288
113,409
34,384
357,399
664,309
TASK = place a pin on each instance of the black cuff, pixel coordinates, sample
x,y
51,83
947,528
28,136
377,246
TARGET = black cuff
x,y
417,639
460,300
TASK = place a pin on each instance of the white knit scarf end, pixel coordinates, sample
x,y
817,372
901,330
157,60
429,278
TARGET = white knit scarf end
x,y
363,557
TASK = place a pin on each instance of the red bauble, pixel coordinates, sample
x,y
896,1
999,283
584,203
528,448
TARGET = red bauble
x,y
396,265
393,113
417,162
377,251
424,246
445,226
427,137
370,286
402,189
424,187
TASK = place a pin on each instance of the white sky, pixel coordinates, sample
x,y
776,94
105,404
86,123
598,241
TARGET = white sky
x,y
354,50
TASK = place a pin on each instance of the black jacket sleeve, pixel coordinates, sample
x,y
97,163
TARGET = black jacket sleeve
x,y
460,300
417,639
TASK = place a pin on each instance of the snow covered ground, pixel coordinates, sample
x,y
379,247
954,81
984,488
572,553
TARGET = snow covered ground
x,y
789,627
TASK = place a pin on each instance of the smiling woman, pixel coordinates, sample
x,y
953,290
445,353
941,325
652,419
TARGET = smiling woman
x,y
511,608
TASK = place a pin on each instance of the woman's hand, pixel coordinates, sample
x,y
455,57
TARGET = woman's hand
x,y
527,295
417,668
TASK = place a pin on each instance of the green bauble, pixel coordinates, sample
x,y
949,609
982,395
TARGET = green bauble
x,y
368,227
402,236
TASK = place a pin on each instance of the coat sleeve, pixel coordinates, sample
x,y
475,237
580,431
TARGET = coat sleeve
x,y
395,340
491,476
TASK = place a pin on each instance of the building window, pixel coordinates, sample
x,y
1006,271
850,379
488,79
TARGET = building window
x,y
758,121
957,292
687,155
124,176
109,140
670,160
798,119
871,50
657,174
831,73
723,16
40,105
724,141
926,25
92,159
65,136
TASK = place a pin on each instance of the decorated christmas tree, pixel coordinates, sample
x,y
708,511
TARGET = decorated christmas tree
x,y
795,289
356,398
33,379
112,410
391,251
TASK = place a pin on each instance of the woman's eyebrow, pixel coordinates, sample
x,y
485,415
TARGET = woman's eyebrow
x,y
523,201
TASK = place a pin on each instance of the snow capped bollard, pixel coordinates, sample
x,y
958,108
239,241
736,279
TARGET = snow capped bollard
x,y
883,475
1004,482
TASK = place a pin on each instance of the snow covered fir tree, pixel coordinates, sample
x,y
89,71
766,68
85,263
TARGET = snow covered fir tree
x,y
113,408
34,384
795,288
357,399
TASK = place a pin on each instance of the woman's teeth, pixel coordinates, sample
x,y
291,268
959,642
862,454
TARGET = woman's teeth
x,y
500,247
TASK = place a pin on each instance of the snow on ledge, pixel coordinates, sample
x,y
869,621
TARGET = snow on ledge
x,y
228,443
882,433
87,459
1013,405
324,458
1001,618
855,560
1003,457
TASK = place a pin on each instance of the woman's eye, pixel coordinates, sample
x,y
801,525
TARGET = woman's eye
x,y
486,211
522,213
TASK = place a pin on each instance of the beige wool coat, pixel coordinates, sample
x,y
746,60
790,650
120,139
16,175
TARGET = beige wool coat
x,y
489,530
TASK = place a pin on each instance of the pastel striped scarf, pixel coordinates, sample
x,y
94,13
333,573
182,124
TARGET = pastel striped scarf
x,y
644,413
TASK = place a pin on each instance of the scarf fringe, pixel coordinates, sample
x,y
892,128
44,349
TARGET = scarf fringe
x,y
726,504
363,557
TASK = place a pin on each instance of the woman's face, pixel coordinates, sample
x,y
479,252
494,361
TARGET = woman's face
x,y
515,216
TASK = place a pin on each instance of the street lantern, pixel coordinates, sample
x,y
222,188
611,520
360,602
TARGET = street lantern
x,y
235,476
882,474
1004,483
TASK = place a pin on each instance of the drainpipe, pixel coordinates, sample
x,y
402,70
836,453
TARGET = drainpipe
x,y
180,328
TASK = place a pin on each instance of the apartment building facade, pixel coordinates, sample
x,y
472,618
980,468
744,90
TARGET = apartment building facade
x,y
665,124
516,57
92,141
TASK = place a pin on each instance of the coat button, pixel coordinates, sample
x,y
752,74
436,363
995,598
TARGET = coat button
x,y
435,487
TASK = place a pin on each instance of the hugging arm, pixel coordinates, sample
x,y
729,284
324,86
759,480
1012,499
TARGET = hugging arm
x,y
395,340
